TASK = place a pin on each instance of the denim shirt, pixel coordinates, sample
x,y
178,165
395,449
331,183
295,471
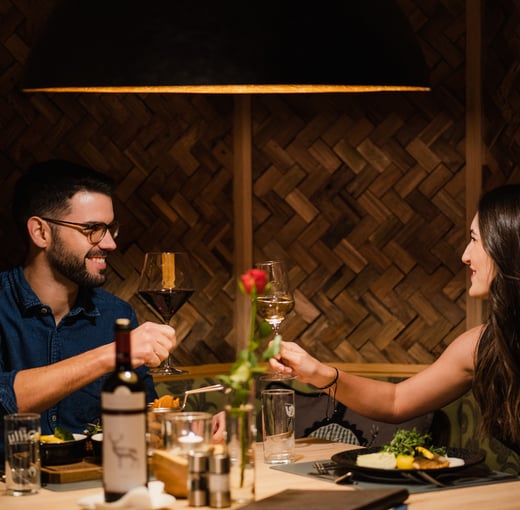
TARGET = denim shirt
x,y
30,338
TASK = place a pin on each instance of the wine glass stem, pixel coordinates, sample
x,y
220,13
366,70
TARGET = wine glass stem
x,y
276,327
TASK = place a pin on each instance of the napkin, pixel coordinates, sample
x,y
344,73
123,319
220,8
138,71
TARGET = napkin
x,y
140,498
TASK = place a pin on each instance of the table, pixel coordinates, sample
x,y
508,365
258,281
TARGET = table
x,y
269,481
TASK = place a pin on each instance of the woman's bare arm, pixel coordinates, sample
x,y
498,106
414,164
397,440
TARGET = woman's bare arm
x,y
449,377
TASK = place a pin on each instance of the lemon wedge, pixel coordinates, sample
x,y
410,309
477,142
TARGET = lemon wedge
x,y
51,439
404,461
427,454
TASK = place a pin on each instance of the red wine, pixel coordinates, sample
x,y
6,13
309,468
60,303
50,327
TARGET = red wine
x,y
166,302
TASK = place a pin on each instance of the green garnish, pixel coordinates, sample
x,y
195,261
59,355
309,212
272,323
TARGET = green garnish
x,y
93,428
405,442
63,434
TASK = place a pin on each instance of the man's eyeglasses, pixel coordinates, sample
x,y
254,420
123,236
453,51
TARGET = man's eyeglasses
x,y
94,231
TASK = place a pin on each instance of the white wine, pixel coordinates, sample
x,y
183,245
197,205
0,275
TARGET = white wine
x,y
274,308
123,403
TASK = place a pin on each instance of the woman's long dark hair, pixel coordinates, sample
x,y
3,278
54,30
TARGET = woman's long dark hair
x,y
496,383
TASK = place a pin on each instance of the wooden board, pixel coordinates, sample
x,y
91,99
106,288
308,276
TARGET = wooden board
x,y
67,473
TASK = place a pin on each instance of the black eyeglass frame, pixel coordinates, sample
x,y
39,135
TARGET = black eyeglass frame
x,y
89,229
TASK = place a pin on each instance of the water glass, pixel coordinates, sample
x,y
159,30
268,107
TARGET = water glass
x,y
22,453
278,415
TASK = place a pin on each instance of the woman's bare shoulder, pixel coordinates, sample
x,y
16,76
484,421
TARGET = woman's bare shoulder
x,y
464,347
470,337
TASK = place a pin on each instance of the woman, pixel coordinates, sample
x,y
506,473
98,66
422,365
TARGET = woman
x,y
485,358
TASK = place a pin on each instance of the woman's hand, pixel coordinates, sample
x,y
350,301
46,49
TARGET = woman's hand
x,y
152,343
294,360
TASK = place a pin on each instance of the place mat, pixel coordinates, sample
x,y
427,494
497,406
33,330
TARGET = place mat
x,y
464,478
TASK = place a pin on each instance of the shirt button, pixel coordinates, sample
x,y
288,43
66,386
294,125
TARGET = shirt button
x,y
44,311
53,418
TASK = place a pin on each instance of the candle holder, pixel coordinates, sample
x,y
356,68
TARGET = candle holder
x,y
187,432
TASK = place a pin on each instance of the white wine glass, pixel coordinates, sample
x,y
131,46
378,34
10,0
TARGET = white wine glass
x,y
275,303
165,285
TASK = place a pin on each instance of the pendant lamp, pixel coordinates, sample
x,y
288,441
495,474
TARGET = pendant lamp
x,y
227,46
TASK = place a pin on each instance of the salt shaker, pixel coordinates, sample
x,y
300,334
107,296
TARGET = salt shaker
x,y
198,465
218,482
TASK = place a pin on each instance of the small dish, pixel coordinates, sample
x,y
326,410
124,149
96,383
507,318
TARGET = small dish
x,y
97,445
67,452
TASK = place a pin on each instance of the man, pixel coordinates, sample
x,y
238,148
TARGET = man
x,y
56,324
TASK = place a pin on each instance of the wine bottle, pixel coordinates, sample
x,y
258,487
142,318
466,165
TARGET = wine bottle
x,y
123,404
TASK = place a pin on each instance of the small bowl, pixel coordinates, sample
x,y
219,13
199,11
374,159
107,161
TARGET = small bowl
x,y
97,445
156,431
68,452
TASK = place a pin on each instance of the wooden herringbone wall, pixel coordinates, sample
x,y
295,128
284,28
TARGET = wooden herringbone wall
x,y
362,194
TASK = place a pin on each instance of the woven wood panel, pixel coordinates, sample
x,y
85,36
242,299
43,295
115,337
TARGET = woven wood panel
x,y
501,92
362,194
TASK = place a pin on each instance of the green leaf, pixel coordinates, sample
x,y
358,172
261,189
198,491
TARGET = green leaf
x,y
273,349
63,433
264,329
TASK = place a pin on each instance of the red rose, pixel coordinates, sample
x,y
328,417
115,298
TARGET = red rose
x,y
254,279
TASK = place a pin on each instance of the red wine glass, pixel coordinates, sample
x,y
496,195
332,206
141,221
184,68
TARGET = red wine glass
x,y
165,285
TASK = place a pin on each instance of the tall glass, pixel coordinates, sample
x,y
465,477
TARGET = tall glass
x,y
165,285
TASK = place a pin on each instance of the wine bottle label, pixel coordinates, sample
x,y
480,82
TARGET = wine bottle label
x,y
124,440
122,399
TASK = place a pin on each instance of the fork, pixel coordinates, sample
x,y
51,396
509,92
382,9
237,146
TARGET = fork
x,y
324,468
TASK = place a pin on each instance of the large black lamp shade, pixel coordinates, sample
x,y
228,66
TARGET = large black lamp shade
x,y
227,46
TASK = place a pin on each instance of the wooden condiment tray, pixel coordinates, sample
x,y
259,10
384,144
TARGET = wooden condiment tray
x,y
67,473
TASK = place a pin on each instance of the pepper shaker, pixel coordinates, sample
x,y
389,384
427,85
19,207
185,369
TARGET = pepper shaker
x,y
198,465
218,482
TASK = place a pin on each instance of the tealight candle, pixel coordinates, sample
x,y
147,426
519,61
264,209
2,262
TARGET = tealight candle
x,y
190,438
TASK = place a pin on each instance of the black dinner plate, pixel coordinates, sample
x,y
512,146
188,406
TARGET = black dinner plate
x,y
348,458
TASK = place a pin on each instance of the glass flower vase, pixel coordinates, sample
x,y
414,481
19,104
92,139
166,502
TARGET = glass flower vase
x,y
240,441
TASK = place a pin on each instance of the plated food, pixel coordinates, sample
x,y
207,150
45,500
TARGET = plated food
x,y
408,452
60,435
388,460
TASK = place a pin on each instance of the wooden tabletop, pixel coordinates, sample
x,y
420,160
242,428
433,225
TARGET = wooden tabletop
x,y
269,481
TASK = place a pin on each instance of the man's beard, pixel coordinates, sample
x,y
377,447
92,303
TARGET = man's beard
x,y
75,269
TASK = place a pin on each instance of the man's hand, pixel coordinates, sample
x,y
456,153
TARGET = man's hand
x,y
152,343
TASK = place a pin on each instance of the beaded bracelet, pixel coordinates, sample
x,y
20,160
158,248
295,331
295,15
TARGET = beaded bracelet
x,y
334,381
